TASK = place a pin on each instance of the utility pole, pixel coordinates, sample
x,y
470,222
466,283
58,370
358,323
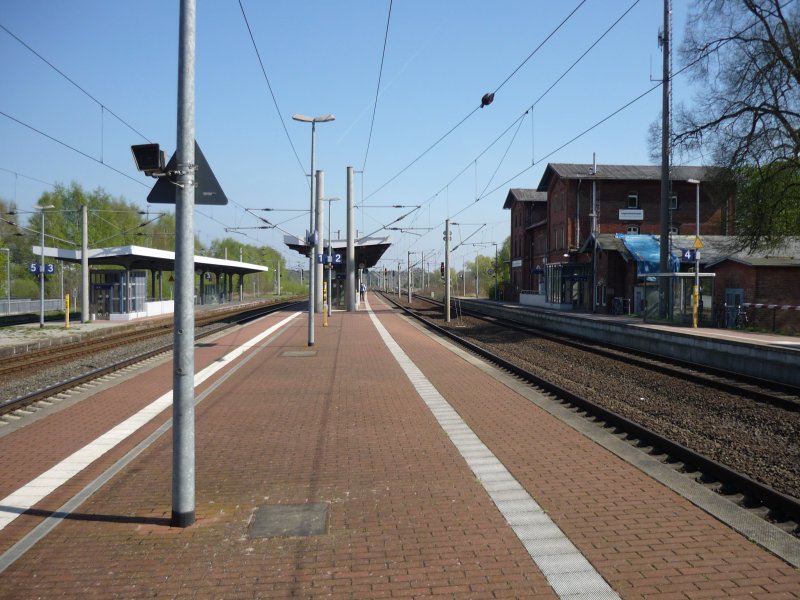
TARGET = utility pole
x,y
666,85
408,262
594,232
183,463
447,270
350,290
84,264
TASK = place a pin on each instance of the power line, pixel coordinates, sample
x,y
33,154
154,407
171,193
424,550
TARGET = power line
x,y
65,76
272,93
378,89
28,177
552,33
488,97
50,137
518,120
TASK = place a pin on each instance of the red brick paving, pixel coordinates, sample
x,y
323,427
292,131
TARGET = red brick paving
x,y
407,518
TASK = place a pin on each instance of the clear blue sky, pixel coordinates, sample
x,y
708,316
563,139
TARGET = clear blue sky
x,y
324,57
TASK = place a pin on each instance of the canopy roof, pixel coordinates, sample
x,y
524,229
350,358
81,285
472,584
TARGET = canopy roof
x,y
139,257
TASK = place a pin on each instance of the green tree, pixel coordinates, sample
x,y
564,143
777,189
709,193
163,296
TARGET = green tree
x,y
745,57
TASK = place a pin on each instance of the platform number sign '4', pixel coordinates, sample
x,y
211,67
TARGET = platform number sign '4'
x,y
689,254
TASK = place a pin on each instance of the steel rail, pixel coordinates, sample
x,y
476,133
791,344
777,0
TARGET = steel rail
x,y
719,379
50,391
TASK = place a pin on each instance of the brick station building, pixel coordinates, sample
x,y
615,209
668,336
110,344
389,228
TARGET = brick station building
x,y
589,240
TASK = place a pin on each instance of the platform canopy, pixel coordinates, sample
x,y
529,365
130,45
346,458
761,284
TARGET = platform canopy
x,y
368,250
139,257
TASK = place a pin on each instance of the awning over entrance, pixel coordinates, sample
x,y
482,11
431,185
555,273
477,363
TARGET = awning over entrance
x,y
646,250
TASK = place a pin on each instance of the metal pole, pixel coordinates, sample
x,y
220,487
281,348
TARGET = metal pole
x,y
409,276
8,280
697,259
496,268
279,277
477,276
594,232
41,274
311,287
447,270
329,264
350,261
183,465
422,271
84,264
320,218
663,265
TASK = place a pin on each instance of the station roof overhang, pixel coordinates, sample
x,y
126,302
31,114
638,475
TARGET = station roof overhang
x,y
368,250
139,257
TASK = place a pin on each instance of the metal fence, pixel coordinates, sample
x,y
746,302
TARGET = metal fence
x,y
17,307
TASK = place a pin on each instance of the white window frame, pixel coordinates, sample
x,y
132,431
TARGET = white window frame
x,y
632,230
633,200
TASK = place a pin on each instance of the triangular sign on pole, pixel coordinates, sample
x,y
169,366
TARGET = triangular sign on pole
x,y
208,190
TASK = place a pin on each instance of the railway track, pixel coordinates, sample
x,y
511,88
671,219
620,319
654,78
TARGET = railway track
x,y
221,319
760,497
760,390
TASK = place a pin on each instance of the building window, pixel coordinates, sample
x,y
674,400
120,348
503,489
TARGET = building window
x,y
633,200
632,230
673,202
674,230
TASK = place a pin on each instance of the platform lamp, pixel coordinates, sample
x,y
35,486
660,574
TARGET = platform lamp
x,y
41,209
311,233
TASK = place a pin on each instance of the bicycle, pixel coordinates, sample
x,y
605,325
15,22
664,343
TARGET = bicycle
x,y
741,318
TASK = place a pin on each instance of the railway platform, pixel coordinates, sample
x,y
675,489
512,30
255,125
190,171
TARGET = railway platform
x,y
378,463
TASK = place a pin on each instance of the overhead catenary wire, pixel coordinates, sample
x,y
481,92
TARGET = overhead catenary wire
x,y
104,109
378,88
272,93
518,120
56,140
474,110
65,76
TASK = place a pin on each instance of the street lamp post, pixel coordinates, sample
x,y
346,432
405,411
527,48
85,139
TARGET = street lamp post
x,y
696,294
41,266
311,230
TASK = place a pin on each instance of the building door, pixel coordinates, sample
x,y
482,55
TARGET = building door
x,y
734,298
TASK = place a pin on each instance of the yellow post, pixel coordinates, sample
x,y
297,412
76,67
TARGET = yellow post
x,y
66,311
324,303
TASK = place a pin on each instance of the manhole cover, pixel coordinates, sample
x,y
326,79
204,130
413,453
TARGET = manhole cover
x,y
290,520
299,353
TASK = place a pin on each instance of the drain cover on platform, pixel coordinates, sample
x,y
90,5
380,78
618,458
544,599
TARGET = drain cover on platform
x,y
290,520
300,353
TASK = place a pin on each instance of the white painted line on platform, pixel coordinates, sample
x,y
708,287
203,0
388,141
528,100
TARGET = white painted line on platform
x,y
565,567
37,489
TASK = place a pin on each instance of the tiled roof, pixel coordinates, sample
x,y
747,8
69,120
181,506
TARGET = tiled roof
x,y
622,172
524,195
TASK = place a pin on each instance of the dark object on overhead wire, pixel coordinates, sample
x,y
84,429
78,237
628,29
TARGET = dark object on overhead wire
x,y
487,100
